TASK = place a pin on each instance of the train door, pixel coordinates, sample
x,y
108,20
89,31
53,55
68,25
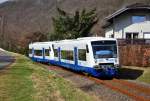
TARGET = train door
x,y
32,52
49,52
59,54
43,53
83,55
76,56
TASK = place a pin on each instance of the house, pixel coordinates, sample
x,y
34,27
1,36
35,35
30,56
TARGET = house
x,y
130,22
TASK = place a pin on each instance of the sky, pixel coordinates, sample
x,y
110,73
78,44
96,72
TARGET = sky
x,y
1,1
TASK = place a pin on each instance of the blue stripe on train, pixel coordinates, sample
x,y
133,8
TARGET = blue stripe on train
x,y
110,72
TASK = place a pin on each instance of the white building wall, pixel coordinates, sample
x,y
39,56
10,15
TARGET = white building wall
x,y
119,24
109,32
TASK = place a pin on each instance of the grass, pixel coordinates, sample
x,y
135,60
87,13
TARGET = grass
x,y
146,76
15,84
27,81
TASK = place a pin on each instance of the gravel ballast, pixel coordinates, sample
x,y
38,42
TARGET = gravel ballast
x,y
89,86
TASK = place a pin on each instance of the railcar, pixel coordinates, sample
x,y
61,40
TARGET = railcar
x,y
41,52
97,56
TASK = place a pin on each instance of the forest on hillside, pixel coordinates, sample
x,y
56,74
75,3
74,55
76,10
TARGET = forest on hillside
x,y
25,21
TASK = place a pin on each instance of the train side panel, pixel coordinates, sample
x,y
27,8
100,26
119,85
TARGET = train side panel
x,y
78,55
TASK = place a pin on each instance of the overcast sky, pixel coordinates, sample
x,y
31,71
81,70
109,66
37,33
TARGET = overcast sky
x,y
1,1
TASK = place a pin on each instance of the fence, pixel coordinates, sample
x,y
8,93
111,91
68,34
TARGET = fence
x,y
134,52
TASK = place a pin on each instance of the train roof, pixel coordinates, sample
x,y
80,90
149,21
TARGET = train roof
x,y
95,38
40,44
82,39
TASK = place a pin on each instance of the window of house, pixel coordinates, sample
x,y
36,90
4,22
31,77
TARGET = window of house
x,y
128,35
146,35
138,19
67,54
112,36
82,54
132,35
135,35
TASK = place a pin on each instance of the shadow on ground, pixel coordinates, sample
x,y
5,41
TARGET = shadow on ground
x,y
128,73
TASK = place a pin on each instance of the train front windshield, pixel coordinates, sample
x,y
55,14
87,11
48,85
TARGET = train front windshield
x,y
104,49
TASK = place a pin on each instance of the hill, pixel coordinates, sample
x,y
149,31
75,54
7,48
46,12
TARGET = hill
x,y
21,18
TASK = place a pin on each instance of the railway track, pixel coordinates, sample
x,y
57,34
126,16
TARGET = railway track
x,y
133,90
134,86
126,88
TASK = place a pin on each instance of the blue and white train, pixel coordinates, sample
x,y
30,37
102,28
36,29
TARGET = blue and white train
x,y
97,56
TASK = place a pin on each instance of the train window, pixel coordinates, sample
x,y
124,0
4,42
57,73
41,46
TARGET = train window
x,y
30,51
103,42
46,52
38,52
104,49
55,53
87,49
49,48
82,54
67,54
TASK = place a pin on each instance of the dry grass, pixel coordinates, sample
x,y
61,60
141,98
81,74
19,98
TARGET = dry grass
x,y
28,81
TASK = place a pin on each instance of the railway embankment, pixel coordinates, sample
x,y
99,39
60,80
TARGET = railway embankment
x,y
25,80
